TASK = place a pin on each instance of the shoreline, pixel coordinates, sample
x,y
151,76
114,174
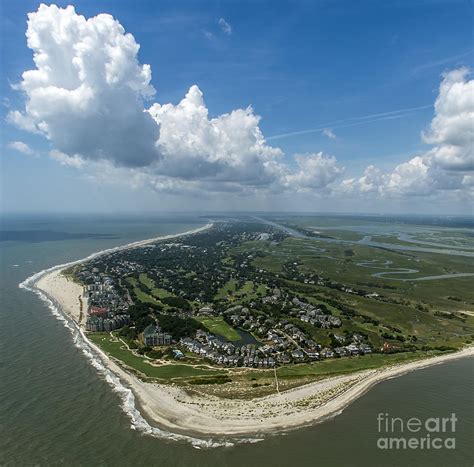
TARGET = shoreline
x,y
30,282
66,292
198,418
172,408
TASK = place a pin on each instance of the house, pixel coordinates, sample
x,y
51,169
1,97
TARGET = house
x,y
353,349
341,351
313,355
297,354
327,353
283,358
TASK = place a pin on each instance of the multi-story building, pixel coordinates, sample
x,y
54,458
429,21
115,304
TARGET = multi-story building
x,y
153,336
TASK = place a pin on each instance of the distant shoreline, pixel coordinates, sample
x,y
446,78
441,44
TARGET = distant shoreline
x,y
66,293
30,282
187,415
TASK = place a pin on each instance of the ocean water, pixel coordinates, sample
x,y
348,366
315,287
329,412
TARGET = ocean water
x,y
57,408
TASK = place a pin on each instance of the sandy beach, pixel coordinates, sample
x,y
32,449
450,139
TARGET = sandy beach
x,y
68,294
65,292
173,408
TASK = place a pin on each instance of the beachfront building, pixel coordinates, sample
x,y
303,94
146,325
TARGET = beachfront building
x,y
100,324
153,336
98,311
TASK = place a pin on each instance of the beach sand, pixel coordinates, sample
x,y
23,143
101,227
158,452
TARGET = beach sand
x,y
175,409
179,411
66,293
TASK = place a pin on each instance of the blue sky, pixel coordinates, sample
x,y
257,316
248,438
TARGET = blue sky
x,y
300,65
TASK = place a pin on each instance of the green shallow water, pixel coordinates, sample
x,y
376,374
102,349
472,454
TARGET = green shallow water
x,y
56,409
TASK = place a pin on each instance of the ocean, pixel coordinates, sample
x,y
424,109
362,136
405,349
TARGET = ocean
x,y
56,408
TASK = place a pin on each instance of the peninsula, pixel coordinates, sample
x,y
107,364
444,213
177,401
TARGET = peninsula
x,y
249,326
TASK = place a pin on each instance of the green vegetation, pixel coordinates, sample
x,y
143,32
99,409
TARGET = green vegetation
x,y
144,297
247,291
176,302
350,364
117,349
140,294
298,295
144,279
220,379
161,293
217,325
178,327
157,292
227,290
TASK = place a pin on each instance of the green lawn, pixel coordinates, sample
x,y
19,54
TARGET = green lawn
x,y
118,350
249,291
144,279
132,281
161,293
157,292
227,290
217,325
349,364
144,297
334,367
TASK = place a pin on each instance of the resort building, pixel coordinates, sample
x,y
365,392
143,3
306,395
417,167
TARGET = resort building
x,y
153,336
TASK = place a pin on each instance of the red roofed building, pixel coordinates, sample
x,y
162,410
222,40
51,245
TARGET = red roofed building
x,y
98,311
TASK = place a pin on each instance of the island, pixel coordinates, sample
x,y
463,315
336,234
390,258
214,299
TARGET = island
x,y
252,325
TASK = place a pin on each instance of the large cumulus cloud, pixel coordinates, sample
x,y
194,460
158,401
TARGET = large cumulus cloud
x,y
314,171
448,165
86,93
88,96
452,128
228,148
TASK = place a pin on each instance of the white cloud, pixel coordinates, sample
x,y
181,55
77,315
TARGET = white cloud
x,y
446,166
409,178
86,93
225,26
468,180
23,121
370,182
315,171
329,133
21,147
75,161
452,128
228,148
87,96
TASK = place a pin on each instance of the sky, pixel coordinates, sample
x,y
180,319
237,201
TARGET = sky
x,y
322,106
